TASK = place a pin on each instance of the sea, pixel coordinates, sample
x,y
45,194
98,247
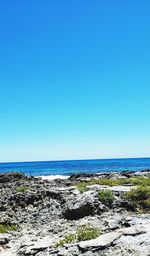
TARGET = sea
x,y
69,167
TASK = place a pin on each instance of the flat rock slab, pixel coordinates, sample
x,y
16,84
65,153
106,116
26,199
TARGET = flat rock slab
x,y
121,188
40,245
100,242
108,239
124,188
133,231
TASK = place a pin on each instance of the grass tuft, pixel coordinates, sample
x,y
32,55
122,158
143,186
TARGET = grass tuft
x,y
87,232
106,197
84,232
139,197
66,240
82,187
22,189
4,228
135,181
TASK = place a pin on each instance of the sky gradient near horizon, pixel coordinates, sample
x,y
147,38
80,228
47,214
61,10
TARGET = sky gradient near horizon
x,y
74,79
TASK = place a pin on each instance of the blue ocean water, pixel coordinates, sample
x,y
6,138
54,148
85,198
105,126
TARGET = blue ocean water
x,y
76,166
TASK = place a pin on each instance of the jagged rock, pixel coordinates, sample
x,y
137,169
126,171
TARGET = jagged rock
x,y
50,210
4,239
11,177
82,205
24,199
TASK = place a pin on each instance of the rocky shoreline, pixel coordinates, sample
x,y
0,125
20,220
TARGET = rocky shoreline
x,y
62,217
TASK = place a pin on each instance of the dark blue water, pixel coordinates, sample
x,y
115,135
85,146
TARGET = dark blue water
x,y
76,166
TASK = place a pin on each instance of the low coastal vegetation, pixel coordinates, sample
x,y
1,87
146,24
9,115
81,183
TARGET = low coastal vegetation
x,y
87,232
82,185
70,238
22,189
139,197
106,197
83,233
5,228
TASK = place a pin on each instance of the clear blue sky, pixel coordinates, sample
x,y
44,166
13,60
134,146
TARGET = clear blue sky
x,y
74,79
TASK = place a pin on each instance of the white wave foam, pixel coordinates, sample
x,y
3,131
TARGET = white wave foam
x,y
54,177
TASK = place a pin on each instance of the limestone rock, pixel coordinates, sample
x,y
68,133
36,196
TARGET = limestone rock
x,y
100,242
82,205
37,246
108,238
4,239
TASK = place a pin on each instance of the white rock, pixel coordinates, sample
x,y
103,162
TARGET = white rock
x,y
102,241
107,239
39,245
121,188
131,231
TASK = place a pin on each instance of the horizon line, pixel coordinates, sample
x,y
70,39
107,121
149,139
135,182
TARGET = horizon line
x,y
82,159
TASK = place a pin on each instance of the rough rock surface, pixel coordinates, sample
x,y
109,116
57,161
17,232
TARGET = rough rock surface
x,y
45,211
108,238
82,205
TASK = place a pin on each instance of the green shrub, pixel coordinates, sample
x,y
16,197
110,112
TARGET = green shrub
x,y
82,187
102,181
84,232
4,228
22,189
87,232
139,197
66,240
139,194
106,196
139,181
